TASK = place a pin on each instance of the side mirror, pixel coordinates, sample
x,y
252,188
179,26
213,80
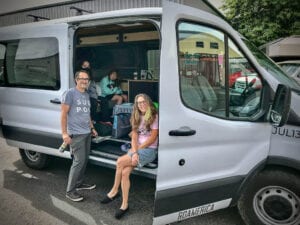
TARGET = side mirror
x,y
281,106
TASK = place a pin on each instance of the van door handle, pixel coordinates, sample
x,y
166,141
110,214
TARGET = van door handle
x,y
182,131
55,101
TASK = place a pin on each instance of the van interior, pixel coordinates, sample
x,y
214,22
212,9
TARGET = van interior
x,y
129,48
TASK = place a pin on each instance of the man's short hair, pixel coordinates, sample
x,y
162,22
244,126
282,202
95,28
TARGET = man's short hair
x,y
78,72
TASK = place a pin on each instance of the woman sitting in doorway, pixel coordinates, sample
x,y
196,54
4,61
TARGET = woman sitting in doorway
x,y
144,142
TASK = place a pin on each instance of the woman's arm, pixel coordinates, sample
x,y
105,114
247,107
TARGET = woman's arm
x,y
104,86
134,141
118,90
150,140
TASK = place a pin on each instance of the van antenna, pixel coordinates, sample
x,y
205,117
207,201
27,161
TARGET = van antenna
x,y
37,18
80,11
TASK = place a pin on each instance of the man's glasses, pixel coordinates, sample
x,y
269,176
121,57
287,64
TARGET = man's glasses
x,y
85,79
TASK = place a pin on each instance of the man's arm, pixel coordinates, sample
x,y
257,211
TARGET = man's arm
x,y
63,120
93,130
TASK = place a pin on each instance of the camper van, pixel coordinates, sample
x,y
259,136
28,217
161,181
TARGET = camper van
x,y
217,147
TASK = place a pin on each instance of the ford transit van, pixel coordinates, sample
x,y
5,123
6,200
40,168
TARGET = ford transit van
x,y
217,147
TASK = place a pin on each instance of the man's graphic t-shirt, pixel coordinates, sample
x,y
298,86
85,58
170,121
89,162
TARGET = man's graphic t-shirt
x,y
79,114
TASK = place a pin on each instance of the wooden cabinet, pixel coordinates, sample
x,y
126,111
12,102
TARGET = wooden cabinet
x,y
140,36
100,39
115,38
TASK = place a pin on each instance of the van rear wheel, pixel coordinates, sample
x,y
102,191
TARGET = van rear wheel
x,y
273,198
34,160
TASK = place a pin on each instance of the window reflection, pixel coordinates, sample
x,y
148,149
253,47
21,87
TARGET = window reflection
x,y
202,74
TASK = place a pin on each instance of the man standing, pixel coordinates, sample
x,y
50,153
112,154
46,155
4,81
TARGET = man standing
x,y
76,128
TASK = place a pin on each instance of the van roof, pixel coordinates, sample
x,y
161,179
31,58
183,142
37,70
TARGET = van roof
x,y
204,5
133,12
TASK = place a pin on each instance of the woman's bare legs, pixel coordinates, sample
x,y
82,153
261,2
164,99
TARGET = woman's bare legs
x,y
118,99
125,98
125,184
122,162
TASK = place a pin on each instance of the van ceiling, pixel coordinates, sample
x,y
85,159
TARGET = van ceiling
x,y
115,28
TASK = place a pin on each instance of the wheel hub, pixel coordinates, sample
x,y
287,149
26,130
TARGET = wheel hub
x,y
276,205
32,155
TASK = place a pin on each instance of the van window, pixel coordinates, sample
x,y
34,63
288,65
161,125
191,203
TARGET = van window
x,y
244,83
33,63
201,80
202,74
153,57
272,68
2,55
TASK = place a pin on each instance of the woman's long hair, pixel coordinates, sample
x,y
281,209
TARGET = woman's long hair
x,y
116,82
150,115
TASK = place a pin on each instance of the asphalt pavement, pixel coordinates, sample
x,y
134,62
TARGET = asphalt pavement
x,y
37,197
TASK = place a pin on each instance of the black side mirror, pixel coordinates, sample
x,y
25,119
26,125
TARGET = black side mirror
x,y
281,106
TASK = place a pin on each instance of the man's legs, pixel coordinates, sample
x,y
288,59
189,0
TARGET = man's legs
x,y
78,152
87,148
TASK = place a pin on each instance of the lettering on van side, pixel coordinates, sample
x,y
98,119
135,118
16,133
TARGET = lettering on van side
x,y
283,131
195,211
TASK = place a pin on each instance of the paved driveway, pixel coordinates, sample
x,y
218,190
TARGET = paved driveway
x,y
38,197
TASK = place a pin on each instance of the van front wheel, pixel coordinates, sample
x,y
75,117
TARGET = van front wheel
x,y
273,198
34,160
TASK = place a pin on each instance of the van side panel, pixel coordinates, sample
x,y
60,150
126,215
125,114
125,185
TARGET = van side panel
x,y
195,195
285,144
35,137
30,108
198,147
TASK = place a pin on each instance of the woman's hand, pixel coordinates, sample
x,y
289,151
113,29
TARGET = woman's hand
x,y
135,159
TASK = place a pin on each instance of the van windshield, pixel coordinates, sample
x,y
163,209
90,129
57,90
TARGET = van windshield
x,y
272,68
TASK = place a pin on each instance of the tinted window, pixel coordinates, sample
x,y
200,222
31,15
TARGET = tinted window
x,y
33,63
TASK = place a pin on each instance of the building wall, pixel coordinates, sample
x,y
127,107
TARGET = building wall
x,y
63,9
59,9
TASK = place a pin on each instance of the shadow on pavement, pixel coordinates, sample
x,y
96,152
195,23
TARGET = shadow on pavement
x,y
45,189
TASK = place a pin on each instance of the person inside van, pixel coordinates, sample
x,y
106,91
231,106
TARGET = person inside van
x,y
110,89
144,142
77,128
92,90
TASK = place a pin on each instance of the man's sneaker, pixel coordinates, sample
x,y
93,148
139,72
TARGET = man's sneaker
x,y
85,187
74,196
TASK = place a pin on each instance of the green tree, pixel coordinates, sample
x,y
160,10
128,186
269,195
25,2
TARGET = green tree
x,y
262,21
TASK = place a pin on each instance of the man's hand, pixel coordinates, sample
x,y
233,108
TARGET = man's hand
x,y
67,139
94,132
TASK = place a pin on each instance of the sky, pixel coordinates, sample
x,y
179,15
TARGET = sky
x,y
12,5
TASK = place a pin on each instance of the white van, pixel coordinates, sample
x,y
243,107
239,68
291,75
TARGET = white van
x,y
217,148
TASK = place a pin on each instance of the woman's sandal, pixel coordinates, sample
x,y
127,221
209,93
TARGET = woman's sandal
x,y
121,212
108,199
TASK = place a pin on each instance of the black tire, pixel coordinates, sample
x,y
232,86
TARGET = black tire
x,y
34,160
271,198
